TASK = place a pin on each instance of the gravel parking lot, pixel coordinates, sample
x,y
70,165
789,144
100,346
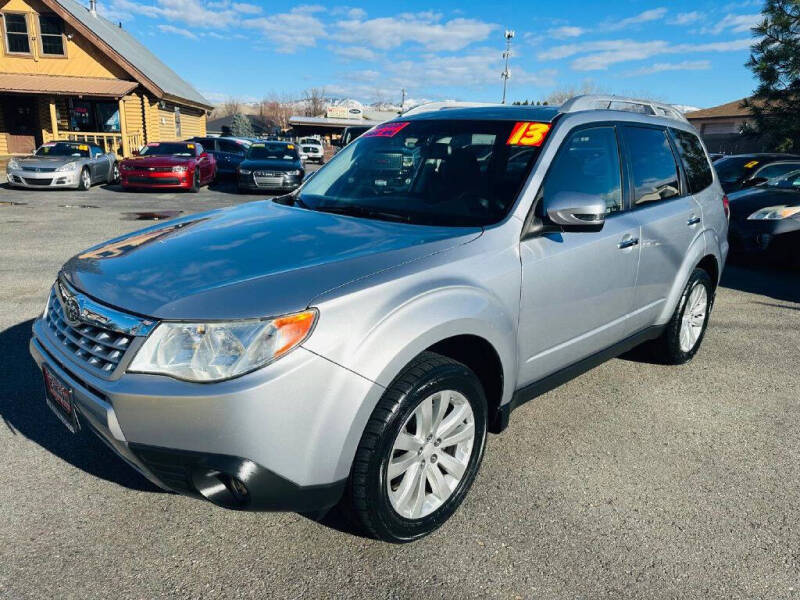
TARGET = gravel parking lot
x,y
633,481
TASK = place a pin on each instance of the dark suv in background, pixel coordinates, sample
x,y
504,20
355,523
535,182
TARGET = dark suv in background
x,y
228,152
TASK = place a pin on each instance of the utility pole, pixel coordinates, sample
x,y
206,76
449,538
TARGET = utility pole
x,y
402,99
506,74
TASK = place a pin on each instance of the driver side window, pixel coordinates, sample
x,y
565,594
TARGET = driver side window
x,y
587,163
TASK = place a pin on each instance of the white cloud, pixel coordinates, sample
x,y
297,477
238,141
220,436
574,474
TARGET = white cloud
x,y
562,33
425,29
291,30
686,65
354,52
654,14
602,54
686,18
735,23
177,31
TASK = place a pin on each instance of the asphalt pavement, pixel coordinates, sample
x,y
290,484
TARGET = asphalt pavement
x,y
633,481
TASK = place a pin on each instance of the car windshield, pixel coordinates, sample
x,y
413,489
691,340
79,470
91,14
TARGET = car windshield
x,y
63,149
736,168
272,151
168,149
787,181
455,173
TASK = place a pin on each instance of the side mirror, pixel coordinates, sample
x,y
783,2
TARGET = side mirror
x,y
573,211
754,181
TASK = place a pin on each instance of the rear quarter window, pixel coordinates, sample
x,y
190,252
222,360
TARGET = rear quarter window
x,y
694,159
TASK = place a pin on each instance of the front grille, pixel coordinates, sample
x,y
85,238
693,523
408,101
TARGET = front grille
x,y
100,349
39,169
270,182
154,180
30,181
158,169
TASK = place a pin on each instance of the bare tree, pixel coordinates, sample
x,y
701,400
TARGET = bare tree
x,y
315,101
276,108
231,106
559,96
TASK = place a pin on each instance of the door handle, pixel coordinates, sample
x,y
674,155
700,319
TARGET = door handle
x,y
628,243
693,220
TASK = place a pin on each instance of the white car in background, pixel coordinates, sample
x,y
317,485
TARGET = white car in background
x,y
312,148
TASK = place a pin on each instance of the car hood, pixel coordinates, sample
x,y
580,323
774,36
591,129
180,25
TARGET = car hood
x,y
46,162
142,162
271,164
746,202
259,259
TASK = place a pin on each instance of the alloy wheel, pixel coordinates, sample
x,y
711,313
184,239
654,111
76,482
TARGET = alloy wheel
x,y
694,317
86,179
430,454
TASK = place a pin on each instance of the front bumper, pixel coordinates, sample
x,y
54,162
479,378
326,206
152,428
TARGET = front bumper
x,y
285,432
43,180
759,236
165,180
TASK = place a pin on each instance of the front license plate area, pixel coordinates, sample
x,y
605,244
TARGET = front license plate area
x,y
59,398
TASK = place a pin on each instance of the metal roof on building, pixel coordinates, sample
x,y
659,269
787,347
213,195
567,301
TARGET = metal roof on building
x,y
135,53
59,84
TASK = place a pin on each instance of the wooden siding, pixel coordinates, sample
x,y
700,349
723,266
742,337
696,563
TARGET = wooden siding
x,y
134,117
3,140
83,58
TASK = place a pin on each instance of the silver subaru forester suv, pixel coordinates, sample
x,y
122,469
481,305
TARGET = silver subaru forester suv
x,y
353,342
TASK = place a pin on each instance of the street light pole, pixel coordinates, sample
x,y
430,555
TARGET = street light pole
x,y
402,99
506,74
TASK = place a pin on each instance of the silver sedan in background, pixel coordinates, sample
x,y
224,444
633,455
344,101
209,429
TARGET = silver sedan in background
x,y
64,165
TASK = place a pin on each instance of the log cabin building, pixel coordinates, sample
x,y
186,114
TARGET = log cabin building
x,y
67,73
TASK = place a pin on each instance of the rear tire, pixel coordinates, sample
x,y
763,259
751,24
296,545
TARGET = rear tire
x,y
113,176
685,331
434,458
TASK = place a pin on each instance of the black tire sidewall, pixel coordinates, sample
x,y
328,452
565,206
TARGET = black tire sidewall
x,y
81,185
678,356
389,523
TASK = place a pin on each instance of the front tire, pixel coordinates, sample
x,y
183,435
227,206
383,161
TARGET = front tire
x,y
685,331
420,451
84,180
114,176
195,182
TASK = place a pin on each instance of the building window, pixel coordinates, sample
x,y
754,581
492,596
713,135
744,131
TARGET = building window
x,y
178,122
51,28
17,41
91,115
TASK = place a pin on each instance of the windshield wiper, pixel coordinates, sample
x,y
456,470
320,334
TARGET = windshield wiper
x,y
353,210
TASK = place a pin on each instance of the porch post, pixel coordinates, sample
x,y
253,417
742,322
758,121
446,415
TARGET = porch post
x,y
53,118
123,129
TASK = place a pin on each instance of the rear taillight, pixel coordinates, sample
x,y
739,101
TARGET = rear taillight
x,y
726,206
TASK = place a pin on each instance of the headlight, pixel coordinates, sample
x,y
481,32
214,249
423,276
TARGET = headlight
x,y
216,351
774,213
179,169
126,167
245,171
294,173
70,166
12,165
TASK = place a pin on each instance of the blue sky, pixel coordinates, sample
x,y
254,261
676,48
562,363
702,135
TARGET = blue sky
x,y
684,52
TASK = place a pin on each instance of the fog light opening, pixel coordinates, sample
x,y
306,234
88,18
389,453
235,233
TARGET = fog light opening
x,y
222,489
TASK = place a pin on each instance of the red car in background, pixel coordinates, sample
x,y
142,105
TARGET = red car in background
x,y
169,165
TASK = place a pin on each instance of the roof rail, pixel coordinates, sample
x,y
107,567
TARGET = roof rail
x,y
434,106
607,102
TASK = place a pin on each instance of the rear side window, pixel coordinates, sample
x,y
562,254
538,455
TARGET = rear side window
x,y
587,163
230,147
653,168
695,162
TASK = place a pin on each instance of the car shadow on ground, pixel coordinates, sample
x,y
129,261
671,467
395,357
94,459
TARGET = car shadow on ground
x,y
759,276
24,413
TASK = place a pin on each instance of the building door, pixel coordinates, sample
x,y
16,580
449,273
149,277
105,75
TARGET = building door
x,y
21,124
